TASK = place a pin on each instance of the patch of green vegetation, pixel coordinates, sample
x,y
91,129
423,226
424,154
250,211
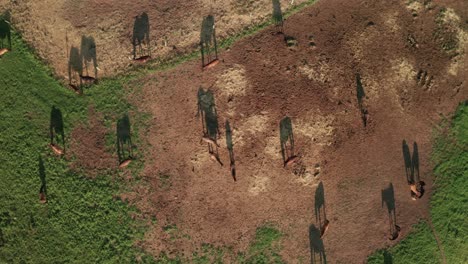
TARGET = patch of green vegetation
x,y
81,221
419,247
449,208
209,254
265,248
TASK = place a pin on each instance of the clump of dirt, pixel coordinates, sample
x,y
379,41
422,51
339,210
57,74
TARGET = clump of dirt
x,y
88,147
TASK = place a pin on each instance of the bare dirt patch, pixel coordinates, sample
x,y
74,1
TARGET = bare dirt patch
x,y
88,147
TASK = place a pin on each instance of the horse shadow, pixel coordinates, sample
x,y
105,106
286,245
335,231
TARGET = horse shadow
x,y
124,140
277,16
208,42
89,55
230,148
75,69
56,128
141,37
317,249
42,177
388,259
5,30
79,61
286,139
360,97
415,163
412,170
320,209
408,164
388,198
209,117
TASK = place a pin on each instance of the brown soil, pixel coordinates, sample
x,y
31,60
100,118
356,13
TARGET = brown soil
x,y
88,147
258,82
52,27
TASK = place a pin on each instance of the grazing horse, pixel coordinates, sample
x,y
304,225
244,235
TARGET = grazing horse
x,y
88,53
141,31
124,138
5,32
208,39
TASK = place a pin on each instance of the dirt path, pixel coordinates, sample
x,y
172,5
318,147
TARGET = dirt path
x,y
408,81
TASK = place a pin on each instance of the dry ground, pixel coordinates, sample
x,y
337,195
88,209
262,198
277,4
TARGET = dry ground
x,y
53,26
259,81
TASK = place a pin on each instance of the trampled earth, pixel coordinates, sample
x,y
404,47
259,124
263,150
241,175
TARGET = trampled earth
x,y
409,81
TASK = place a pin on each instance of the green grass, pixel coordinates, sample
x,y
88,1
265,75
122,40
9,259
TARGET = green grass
x,y
81,223
264,249
449,203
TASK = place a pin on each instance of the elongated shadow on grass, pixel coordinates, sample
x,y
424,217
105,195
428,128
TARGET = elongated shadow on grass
x,y
408,163
5,30
277,16
141,37
360,97
208,43
89,56
42,177
388,259
317,249
2,238
286,139
320,209
124,140
388,198
56,128
230,148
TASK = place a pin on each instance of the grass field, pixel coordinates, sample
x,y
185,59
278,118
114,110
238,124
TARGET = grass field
x,y
81,222
449,205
